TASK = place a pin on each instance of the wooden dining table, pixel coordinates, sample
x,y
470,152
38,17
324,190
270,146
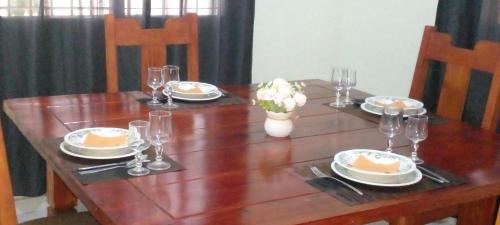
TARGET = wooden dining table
x,y
234,173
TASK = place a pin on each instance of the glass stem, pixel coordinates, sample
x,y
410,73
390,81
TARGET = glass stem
x,y
337,100
154,95
347,98
389,144
159,152
414,152
169,92
138,158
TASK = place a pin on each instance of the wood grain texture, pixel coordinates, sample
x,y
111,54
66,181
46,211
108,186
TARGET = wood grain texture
x,y
236,174
127,32
7,208
459,63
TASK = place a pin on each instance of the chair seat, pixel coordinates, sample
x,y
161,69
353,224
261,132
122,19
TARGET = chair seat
x,y
83,218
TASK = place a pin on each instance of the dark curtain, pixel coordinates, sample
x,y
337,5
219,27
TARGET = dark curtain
x,y
467,21
50,55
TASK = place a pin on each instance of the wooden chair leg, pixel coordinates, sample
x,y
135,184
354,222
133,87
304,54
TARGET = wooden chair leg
x,y
479,212
498,217
60,198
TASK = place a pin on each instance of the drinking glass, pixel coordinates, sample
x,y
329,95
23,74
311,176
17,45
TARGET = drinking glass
x,y
339,84
350,82
155,81
390,124
171,77
416,131
138,140
160,133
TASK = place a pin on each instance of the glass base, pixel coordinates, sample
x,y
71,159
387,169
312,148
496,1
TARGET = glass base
x,y
138,171
153,102
418,160
348,102
337,104
171,106
159,165
388,149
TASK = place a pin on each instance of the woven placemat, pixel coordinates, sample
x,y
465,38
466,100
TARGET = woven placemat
x,y
113,174
357,111
370,193
226,99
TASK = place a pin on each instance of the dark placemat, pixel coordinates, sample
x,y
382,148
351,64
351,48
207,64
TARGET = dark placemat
x,y
357,111
119,173
370,193
226,99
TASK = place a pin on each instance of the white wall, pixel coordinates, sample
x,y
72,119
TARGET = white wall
x,y
300,39
294,39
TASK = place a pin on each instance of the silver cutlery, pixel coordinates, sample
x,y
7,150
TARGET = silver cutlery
x,y
143,157
435,175
318,173
129,164
433,178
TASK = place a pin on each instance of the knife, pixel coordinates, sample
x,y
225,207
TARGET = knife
x,y
434,174
101,166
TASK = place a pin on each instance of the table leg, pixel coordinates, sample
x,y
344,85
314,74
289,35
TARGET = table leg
x,y
404,220
60,198
478,212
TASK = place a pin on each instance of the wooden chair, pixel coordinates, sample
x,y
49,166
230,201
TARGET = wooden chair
x,y
7,207
459,62
152,42
484,57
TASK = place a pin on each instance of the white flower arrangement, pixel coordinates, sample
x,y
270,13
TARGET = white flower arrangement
x,y
280,96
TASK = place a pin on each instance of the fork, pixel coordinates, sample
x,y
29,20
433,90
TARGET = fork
x,y
320,174
129,164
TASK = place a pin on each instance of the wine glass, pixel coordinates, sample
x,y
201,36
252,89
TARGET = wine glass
x,y
171,77
160,133
416,131
155,81
138,140
390,124
338,83
350,81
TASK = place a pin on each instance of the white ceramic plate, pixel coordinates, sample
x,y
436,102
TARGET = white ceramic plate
x,y
76,138
347,158
204,87
67,151
378,111
193,98
409,179
410,103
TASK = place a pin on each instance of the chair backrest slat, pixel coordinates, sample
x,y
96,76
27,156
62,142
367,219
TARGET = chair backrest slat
x,y
459,63
7,207
152,42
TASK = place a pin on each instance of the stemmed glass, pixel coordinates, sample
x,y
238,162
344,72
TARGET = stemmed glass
x,y
155,81
339,84
390,124
349,76
171,77
138,140
160,133
416,131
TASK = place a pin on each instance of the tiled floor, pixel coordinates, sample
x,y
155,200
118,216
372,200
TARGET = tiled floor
x,y
28,208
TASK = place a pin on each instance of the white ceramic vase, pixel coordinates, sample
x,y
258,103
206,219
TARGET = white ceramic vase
x,y
278,124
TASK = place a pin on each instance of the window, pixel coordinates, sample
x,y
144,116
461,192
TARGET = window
x,y
64,8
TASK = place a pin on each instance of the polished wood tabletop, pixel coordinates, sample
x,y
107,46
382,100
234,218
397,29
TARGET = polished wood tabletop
x,y
236,174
